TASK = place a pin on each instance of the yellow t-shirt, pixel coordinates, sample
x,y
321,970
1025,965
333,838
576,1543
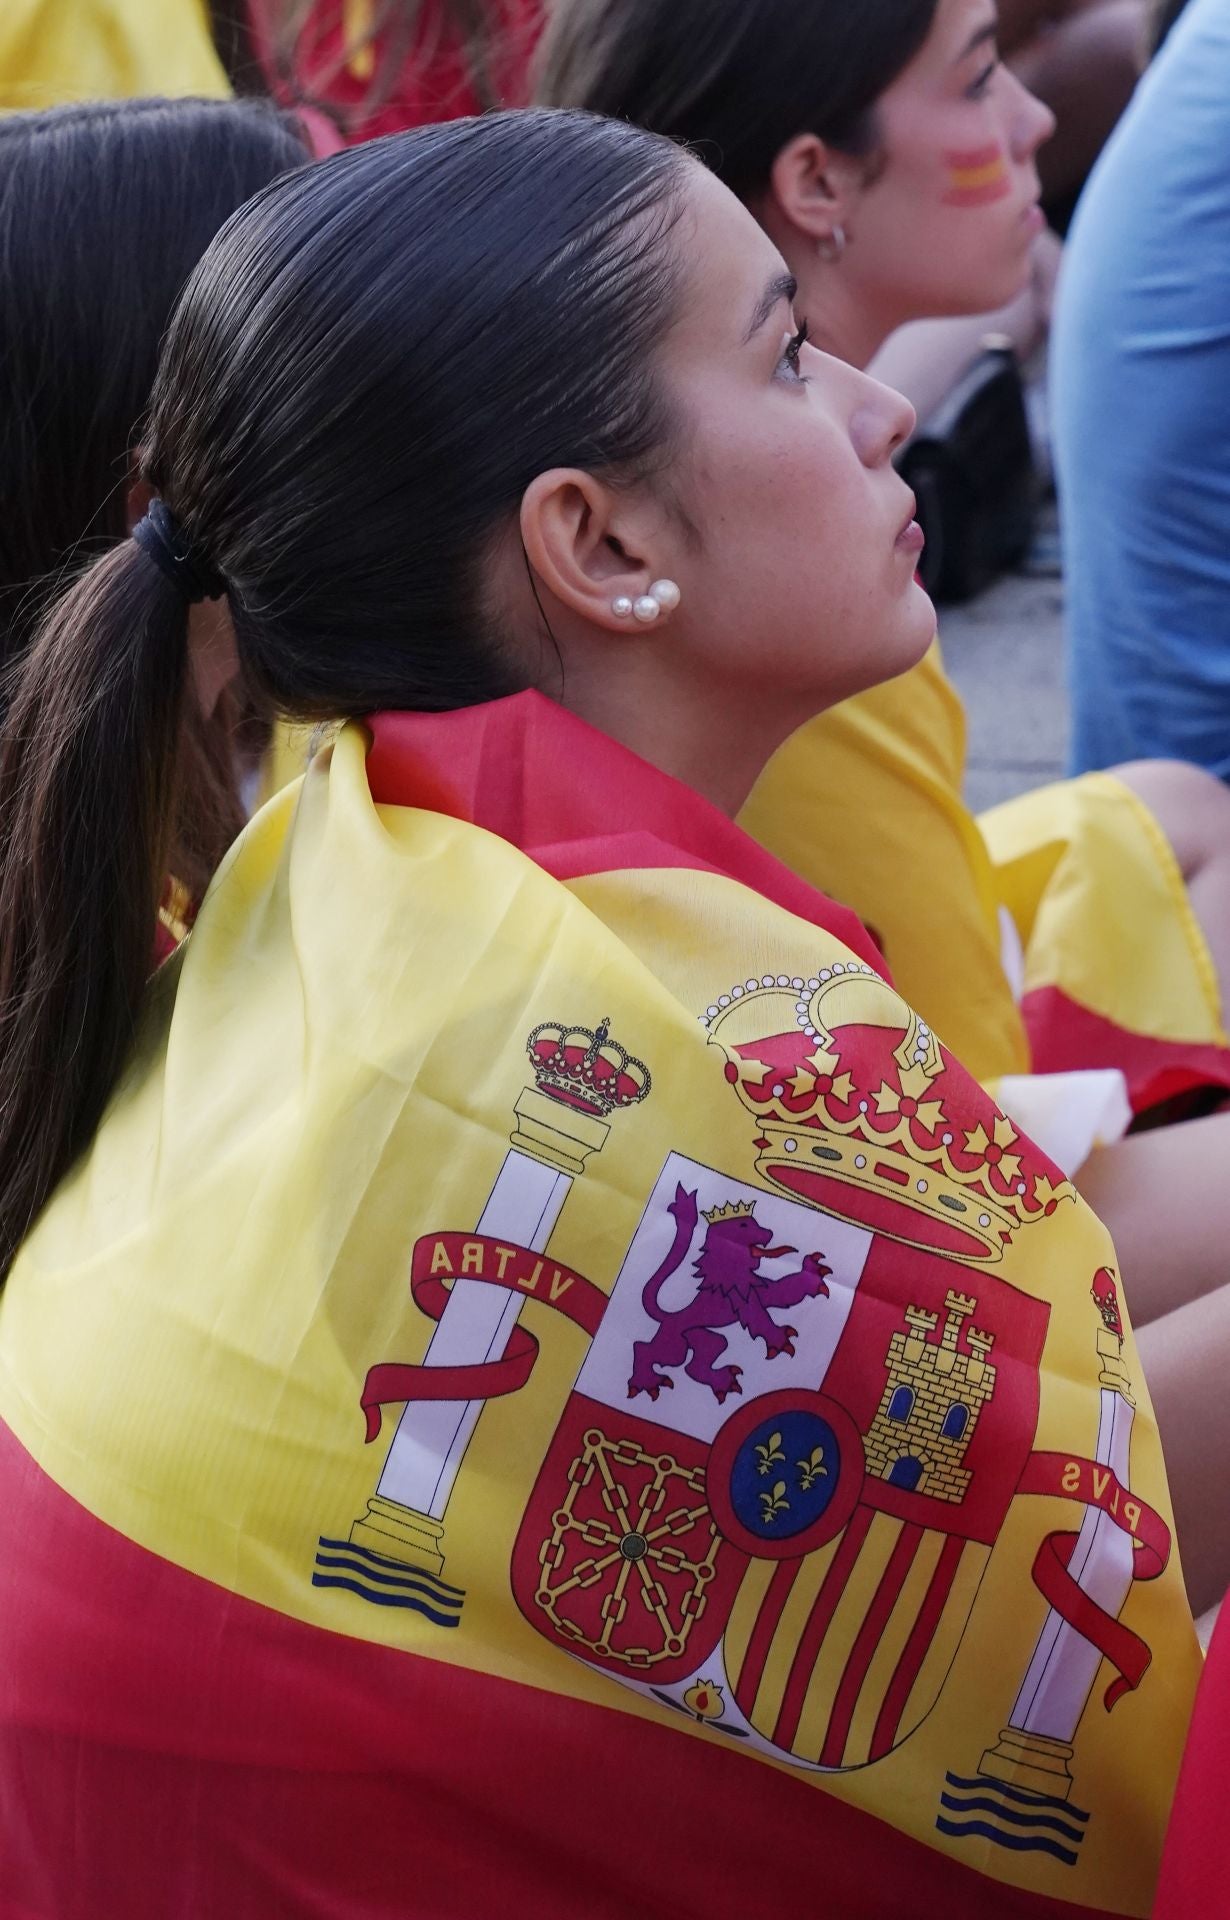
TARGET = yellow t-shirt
x,y
1076,882
865,803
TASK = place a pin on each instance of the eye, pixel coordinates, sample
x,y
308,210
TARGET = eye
x,y
979,89
790,357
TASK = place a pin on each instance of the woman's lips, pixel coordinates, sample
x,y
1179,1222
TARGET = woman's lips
x,y
911,539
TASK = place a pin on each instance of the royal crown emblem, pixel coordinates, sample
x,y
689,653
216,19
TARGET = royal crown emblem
x,y
860,1110
734,1210
585,1068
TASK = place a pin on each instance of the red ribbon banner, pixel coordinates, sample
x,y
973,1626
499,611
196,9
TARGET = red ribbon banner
x,y
442,1257
1064,1477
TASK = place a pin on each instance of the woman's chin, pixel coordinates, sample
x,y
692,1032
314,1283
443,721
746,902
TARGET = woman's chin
x,y
990,292
917,631
897,652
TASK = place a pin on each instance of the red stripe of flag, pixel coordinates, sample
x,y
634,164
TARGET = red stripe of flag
x,y
972,157
1196,1862
914,1653
978,196
170,1748
590,806
818,1622
1064,1035
879,1613
767,1623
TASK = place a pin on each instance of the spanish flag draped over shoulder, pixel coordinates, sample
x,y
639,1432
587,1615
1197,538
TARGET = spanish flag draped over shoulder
x,y
553,1393
1050,941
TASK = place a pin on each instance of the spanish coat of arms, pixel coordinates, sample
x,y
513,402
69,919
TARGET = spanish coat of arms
x,y
806,1408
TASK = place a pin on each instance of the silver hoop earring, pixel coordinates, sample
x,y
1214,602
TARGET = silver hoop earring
x,y
833,245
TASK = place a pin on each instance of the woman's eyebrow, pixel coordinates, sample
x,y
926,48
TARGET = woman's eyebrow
x,y
783,286
989,30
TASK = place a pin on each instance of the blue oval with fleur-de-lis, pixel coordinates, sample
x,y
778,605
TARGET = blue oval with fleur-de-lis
x,y
785,1474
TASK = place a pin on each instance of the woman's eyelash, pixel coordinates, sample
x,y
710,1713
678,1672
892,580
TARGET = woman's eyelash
x,y
796,346
980,85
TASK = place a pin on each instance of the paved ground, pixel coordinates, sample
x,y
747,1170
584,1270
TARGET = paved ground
x,y
1005,653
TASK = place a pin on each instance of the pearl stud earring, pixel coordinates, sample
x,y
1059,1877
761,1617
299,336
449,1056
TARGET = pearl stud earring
x,y
832,245
663,597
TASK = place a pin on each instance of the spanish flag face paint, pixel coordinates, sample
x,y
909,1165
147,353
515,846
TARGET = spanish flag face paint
x,y
977,176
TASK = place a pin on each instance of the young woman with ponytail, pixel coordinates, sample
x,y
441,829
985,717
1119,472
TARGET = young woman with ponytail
x,y
525,1368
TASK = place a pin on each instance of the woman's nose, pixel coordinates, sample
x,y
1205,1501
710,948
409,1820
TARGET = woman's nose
x,y
882,420
1031,124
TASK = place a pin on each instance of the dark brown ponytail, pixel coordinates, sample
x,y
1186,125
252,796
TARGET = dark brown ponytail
x,y
91,761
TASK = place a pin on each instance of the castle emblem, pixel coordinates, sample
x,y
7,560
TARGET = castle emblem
x,y
931,1401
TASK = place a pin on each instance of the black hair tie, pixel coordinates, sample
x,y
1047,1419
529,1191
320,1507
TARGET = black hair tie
x,y
162,537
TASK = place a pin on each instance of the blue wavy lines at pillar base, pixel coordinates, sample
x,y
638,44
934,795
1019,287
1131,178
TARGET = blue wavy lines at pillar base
x,y
987,1809
386,1583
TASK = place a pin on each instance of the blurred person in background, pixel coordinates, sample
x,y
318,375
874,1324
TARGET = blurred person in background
x,y
354,69
1142,417
104,211
53,51
1163,17
369,67
1083,57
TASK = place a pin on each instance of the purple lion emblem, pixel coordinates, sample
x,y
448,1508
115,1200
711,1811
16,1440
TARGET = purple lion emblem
x,y
732,1293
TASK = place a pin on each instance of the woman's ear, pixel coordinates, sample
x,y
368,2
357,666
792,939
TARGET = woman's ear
x,y
589,546
816,190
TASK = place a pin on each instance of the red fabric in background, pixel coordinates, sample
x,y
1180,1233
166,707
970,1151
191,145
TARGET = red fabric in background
x,y
229,1763
589,806
1063,1036
1195,1877
434,82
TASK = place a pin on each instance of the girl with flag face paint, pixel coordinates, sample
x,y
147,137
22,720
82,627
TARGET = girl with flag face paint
x,y
526,1369
890,157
